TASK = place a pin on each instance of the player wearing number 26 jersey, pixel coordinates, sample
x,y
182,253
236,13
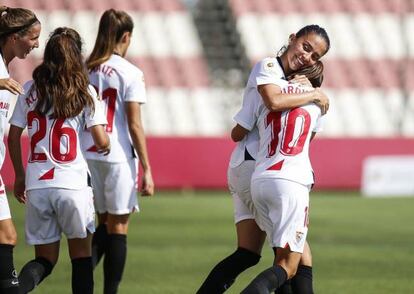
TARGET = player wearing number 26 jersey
x,y
55,158
56,107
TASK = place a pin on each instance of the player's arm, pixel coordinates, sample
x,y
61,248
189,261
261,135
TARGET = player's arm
x,y
238,133
15,151
275,100
101,139
136,130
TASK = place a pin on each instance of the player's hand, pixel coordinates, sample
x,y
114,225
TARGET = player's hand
x,y
147,188
20,190
105,151
321,100
11,85
302,80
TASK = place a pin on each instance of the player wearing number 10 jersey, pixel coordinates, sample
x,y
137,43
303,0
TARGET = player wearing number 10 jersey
x,y
55,108
121,87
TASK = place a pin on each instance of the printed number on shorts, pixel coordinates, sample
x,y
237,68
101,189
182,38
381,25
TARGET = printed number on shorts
x,y
294,134
109,96
60,139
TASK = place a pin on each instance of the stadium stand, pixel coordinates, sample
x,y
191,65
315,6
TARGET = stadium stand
x,y
195,70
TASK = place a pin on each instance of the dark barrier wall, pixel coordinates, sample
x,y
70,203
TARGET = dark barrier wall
x,y
180,162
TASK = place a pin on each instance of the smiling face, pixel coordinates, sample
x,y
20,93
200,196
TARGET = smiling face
x,y
304,51
24,44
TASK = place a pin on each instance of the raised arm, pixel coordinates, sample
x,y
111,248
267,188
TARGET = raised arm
x,y
15,151
136,130
275,100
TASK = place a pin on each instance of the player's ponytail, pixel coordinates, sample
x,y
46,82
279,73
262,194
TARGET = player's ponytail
x,y
61,81
112,26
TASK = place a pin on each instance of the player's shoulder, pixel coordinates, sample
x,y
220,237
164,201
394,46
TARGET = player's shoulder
x,y
27,88
268,65
125,67
27,85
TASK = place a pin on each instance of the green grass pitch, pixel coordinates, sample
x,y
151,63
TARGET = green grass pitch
x,y
359,245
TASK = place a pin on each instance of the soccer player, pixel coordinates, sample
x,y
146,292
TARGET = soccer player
x,y
121,86
250,238
283,174
19,35
57,105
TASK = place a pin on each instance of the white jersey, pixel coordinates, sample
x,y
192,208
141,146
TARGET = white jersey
x,y
117,82
284,141
267,71
55,157
4,109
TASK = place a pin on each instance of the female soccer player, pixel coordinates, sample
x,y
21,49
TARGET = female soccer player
x,y
57,105
265,82
283,174
121,86
19,35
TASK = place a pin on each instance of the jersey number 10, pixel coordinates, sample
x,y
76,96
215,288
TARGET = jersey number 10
x,y
294,134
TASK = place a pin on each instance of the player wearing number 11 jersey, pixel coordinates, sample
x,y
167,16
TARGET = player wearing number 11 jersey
x,y
114,178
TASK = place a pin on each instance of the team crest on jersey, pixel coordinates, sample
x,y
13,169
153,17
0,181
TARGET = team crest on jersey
x,y
269,66
299,237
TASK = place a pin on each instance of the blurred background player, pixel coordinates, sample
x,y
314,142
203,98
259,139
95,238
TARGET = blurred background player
x,y
19,35
121,86
283,174
265,83
57,105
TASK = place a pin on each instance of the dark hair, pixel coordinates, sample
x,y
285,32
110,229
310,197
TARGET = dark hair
x,y
314,74
316,30
112,26
61,80
15,20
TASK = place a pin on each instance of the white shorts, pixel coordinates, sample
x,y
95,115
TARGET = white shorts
x,y
4,203
282,211
238,179
114,186
51,211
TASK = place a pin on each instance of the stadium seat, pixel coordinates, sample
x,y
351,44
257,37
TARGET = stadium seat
x,y
153,25
157,117
183,35
178,103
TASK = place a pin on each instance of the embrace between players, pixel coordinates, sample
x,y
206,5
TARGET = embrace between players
x,y
85,130
71,131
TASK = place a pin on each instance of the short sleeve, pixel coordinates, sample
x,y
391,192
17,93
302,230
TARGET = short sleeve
x,y
96,117
135,91
268,71
319,124
246,117
19,116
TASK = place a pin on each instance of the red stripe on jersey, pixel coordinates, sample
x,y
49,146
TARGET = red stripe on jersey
x,y
50,174
277,166
92,149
